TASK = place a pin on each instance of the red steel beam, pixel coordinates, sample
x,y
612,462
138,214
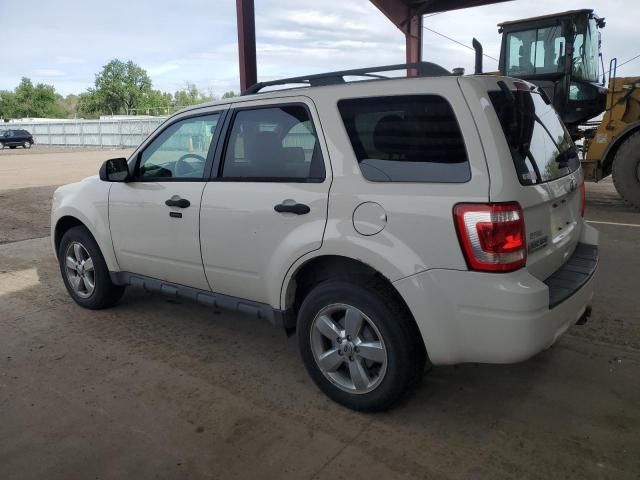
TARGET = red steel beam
x,y
409,21
246,43
413,38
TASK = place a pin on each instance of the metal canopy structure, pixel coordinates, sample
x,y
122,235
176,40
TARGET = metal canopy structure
x,y
404,14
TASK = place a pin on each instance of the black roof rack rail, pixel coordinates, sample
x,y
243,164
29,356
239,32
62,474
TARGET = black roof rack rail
x,y
425,69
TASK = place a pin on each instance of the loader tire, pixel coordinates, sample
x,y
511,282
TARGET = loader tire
x,y
626,170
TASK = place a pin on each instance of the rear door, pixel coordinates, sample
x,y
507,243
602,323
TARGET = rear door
x,y
534,162
267,205
10,137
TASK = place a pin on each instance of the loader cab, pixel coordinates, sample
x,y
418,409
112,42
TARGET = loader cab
x,y
561,54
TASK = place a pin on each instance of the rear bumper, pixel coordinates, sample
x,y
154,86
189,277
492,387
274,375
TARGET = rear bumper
x,y
576,271
499,318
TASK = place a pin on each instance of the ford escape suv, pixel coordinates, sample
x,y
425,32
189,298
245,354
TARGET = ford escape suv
x,y
388,222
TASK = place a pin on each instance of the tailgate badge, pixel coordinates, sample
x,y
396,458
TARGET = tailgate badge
x,y
537,241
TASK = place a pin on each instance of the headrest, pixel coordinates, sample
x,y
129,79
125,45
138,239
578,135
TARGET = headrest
x,y
293,154
265,146
389,134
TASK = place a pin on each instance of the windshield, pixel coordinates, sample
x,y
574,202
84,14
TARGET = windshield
x,y
540,145
534,52
542,51
586,52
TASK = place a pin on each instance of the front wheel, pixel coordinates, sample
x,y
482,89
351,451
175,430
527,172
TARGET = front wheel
x,y
85,272
360,345
626,170
26,145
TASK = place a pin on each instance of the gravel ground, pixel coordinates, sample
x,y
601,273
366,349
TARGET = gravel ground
x,y
28,178
157,389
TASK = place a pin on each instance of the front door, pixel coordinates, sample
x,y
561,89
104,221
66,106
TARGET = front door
x,y
154,219
268,205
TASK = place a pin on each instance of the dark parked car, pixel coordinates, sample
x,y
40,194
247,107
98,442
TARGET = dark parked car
x,y
16,138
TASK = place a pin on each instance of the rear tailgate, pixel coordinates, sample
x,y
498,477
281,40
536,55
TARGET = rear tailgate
x,y
553,226
531,160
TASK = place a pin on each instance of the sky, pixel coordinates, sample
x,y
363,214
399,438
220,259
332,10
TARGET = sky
x,y
66,43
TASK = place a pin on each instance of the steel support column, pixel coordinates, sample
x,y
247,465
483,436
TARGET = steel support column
x,y
413,38
246,43
409,21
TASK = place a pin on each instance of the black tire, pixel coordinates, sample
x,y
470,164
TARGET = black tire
x,y
626,170
406,355
12,147
106,293
26,145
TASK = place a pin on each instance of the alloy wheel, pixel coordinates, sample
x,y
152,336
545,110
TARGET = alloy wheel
x,y
348,348
80,270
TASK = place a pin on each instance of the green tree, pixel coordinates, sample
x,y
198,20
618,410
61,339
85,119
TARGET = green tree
x,y
68,105
190,95
120,87
155,103
7,104
88,105
229,94
28,100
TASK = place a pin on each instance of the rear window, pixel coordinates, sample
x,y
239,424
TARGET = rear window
x,y
409,138
540,145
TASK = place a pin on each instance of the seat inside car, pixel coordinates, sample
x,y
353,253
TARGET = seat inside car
x,y
265,154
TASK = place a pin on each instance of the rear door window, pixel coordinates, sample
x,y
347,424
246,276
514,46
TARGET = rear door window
x,y
273,144
407,138
540,145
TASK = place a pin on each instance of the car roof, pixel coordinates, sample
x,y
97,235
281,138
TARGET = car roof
x,y
352,88
310,84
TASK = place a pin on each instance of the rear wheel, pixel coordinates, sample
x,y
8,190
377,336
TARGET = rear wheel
x,y
85,272
626,170
12,147
359,344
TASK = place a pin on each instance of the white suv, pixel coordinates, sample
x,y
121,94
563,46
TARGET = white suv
x,y
390,222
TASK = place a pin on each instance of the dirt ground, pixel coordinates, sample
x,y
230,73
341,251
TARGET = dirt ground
x,y
157,389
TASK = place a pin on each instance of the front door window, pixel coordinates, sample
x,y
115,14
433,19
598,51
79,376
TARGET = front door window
x,y
180,151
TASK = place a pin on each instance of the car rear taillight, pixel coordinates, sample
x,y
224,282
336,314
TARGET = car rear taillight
x,y
492,235
582,198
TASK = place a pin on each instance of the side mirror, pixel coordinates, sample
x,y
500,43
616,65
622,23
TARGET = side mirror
x,y
114,170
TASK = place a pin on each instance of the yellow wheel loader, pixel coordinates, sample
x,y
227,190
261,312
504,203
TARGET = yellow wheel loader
x,y
560,53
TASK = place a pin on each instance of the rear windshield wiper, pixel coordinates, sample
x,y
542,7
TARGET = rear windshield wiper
x,y
515,124
563,156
